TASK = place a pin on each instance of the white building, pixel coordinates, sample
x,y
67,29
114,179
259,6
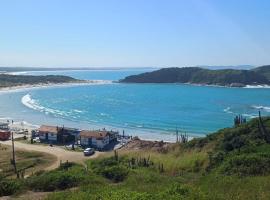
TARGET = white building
x,y
97,139
48,133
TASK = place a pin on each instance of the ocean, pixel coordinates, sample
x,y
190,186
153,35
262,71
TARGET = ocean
x,y
150,111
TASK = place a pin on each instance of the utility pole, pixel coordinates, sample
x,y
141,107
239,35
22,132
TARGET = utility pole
x,y
177,138
13,154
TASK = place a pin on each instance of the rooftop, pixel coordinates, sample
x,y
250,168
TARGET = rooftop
x,y
49,129
4,124
94,134
4,131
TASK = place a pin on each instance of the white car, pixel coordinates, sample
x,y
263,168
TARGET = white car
x,y
88,151
36,139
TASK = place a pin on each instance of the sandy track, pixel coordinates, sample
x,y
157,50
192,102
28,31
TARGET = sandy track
x,y
60,153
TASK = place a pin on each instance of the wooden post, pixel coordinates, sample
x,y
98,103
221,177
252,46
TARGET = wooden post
x,y
13,153
177,138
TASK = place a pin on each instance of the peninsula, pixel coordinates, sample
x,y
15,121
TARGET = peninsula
x,y
7,80
197,75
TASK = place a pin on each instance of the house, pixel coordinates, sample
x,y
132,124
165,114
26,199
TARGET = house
x,y
56,134
48,134
97,139
4,134
4,126
71,135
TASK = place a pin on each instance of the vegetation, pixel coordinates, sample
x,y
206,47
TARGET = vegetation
x,y
66,176
232,163
7,80
196,75
9,187
264,70
27,162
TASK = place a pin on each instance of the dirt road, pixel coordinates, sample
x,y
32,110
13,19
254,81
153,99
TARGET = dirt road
x,y
58,152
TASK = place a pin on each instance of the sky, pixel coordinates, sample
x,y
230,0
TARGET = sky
x,y
134,33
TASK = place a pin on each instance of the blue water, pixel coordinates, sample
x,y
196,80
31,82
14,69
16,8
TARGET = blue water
x,y
112,75
152,111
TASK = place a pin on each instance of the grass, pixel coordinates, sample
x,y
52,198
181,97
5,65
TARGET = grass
x,y
29,160
234,188
148,183
224,165
206,168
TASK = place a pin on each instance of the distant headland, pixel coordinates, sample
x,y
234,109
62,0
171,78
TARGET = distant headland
x,y
198,75
7,80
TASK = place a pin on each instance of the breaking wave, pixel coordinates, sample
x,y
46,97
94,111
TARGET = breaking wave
x,y
264,108
33,104
257,86
228,110
247,115
30,103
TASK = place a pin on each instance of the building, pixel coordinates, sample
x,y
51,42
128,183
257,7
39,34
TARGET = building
x,y
4,134
49,134
4,126
71,135
97,139
56,134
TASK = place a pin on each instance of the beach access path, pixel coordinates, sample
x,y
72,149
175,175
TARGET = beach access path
x,y
60,153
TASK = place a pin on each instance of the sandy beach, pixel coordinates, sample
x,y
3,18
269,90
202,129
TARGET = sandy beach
x,y
43,85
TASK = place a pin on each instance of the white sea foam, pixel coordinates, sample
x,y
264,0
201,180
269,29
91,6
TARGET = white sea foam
x,y
5,118
77,111
33,104
257,86
30,103
25,123
247,115
104,114
228,110
250,115
265,108
17,73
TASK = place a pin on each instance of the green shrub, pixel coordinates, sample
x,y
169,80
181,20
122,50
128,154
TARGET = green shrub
x,y
9,187
110,168
62,178
247,164
52,181
115,173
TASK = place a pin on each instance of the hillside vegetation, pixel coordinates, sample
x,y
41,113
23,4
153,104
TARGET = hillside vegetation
x,y
264,70
7,80
196,75
233,163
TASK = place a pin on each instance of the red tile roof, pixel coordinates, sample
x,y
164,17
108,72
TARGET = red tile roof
x,y
49,129
94,134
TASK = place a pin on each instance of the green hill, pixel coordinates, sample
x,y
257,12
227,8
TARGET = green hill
x,y
17,80
196,75
263,70
233,163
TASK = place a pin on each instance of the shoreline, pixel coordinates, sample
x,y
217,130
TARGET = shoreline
x,y
133,131
19,126
206,85
100,82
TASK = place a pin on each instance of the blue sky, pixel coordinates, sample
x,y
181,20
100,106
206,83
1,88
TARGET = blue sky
x,y
134,33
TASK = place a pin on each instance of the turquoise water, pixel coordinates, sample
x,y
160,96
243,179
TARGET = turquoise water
x,y
152,111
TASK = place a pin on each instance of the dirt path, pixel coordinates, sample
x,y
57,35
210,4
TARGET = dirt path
x,y
58,152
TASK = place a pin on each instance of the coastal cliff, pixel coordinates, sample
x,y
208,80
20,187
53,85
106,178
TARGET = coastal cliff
x,y
196,75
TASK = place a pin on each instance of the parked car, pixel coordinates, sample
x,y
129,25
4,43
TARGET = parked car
x,y
88,151
36,140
